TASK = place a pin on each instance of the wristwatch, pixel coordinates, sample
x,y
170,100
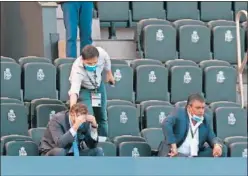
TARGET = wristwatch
x,y
94,126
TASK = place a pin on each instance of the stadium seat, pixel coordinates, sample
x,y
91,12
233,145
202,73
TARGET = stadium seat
x,y
60,61
182,10
230,121
238,149
7,59
13,119
214,23
155,80
155,114
220,83
122,120
123,88
179,62
63,83
39,80
10,100
153,137
49,109
137,62
127,138
233,139
220,104
119,102
159,42
36,134
118,61
10,80
224,39
109,148
9,138
208,63
149,10
21,148
216,10
33,59
184,81
240,6
182,22
134,149
194,43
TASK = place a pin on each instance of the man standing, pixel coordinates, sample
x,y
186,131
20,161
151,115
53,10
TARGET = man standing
x,y
77,13
187,129
87,86
72,132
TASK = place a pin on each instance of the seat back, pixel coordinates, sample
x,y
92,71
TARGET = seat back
x,y
5,100
219,104
207,63
109,148
7,59
22,148
238,149
60,61
36,134
135,149
179,62
153,136
33,59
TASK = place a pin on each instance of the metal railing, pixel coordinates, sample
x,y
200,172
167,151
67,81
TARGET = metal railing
x,y
241,64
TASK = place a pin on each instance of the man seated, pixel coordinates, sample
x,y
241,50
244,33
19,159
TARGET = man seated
x,y
71,133
187,130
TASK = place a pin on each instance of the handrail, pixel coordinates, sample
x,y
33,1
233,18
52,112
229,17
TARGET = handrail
x,y
241,65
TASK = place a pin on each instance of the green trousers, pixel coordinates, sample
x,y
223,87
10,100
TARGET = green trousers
x,y
99,112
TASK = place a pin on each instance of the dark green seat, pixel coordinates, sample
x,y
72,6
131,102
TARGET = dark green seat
x,y
238,149
233,139
179,62
155,114
194,43
159,42
182,10
123,88
137,62
220,104
134,149
208,63
215,23
63,83
9,138
153,136
22,148
60,61
33,59
119,102
36,134
151,83
240,6
220,83
7,59
39,81
230,121
45,112
216,10
127,138
109,148
122,120
118,61
187,77
13,119
10,80
224,39
10,100
149,10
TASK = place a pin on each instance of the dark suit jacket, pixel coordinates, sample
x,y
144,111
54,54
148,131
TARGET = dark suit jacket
x,y
57,134
175,128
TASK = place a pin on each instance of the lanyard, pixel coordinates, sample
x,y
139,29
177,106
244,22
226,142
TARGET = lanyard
x,y
94,83
191,131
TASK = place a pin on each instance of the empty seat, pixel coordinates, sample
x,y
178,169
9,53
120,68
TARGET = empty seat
x,y
208,63
154,115
184,81
36,134
109,148
153,136
219,104
149,10
122,120
10,100
240,6
21,148
146,104
182,10
220,83
123,88
118,61
13,119
9,138
216,10
127,138
238,149
7,59
233,139
137,62
60,61
183,22
151,83
10,80
179,62
134,149
194,43
39,81
230,121
33,59
119,102
215,23
159,42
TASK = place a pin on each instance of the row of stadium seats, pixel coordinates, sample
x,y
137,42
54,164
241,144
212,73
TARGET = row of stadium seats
x,y
124,118
189,39
149,79
126,14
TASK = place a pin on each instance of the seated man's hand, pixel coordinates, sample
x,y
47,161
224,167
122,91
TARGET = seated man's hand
x,y
173,150
217,150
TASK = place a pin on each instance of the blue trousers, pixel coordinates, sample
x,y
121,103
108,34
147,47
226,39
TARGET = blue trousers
x,y
99,112
77,14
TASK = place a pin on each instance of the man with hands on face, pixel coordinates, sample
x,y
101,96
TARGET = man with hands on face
x,y
187,129
71,133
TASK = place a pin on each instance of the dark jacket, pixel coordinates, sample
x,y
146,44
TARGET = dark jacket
x,y
57,134
175,128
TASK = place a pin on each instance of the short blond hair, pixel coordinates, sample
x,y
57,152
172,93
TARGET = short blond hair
x,y
79,109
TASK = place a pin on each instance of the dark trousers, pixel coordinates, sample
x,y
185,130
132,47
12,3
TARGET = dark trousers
x,y
77,14
87,152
